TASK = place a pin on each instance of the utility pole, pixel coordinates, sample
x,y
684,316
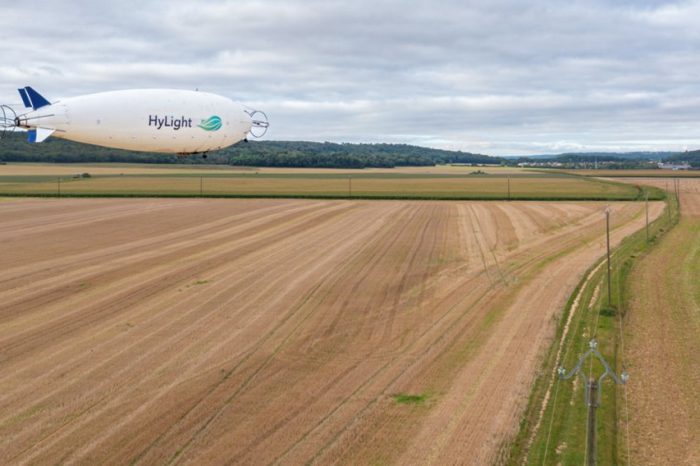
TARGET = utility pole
x,y
349,185
592,402
59,187
592,393
201,185
607,235
509,188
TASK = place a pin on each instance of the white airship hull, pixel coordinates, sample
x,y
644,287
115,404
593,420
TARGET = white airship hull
x,y
150,120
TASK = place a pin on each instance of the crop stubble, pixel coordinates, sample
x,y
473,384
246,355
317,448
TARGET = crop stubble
x,y
219,331
662,341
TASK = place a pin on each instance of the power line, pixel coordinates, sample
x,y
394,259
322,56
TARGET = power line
x,y
646,208
551,423
607,236
627,411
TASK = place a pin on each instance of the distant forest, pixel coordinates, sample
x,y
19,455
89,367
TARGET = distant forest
x,y
631,160
693,158
612,161
14,148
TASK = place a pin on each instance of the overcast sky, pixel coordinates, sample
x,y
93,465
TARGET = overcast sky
x,y
498,77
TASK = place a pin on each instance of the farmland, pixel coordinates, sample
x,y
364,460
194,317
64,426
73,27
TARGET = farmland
x,y
689,191
662,342
649,328
68,169
447,182
640,173
281,331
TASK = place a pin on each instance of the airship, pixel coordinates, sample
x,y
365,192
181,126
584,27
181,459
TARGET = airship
x,y
150,120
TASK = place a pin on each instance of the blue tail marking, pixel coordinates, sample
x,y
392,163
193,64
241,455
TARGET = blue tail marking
x,y
25,98
32,98
31,135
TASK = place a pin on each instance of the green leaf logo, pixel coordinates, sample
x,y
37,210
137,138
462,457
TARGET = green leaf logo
x,y
213,123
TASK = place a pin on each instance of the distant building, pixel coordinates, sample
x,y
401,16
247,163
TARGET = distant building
x,y
540,164
674,166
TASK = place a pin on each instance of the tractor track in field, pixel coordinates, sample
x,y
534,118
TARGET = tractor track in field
x,y
273,331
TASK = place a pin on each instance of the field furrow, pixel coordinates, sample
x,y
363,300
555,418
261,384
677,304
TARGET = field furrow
x,y
280,331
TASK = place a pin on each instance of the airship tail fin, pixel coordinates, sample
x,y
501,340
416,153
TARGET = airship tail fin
x,y
39,134
32,99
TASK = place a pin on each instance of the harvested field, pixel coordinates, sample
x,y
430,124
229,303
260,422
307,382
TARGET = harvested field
x,y
280,331
648,173
67,169
327,186
662,342
689,190
400,183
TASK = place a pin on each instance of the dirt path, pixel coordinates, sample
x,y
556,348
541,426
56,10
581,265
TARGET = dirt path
x,y
662,342
277,331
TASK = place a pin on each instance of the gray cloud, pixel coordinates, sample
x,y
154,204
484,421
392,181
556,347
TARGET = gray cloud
x,y
501,77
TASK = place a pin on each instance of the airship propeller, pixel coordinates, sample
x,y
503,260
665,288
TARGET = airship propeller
x,y
260,123
8,120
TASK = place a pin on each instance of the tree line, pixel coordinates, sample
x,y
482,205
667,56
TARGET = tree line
x,y
693,158
14,148
305,154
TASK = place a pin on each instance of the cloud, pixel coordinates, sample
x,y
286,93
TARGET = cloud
x,y
504,76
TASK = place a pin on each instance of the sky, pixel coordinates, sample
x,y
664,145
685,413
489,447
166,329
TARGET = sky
x,y
500,77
